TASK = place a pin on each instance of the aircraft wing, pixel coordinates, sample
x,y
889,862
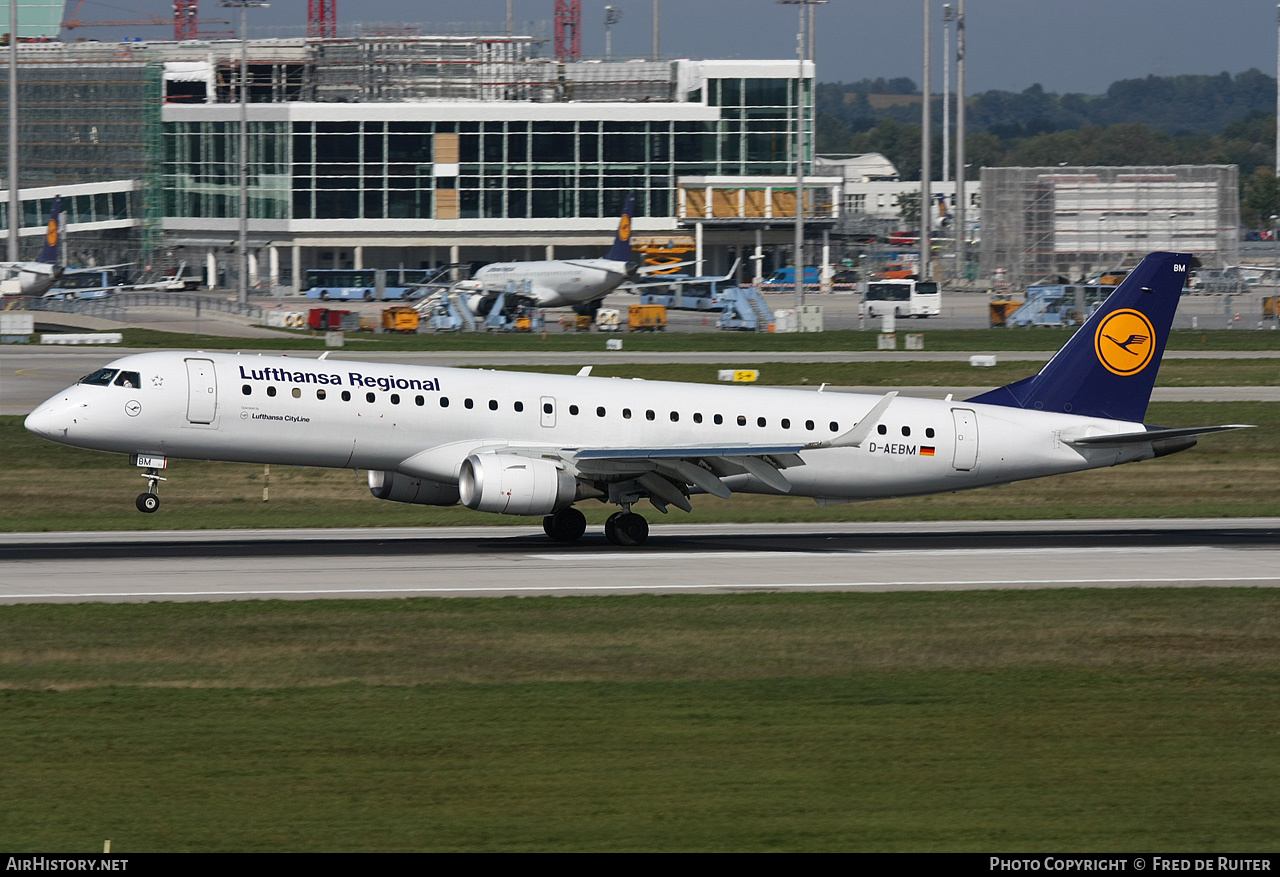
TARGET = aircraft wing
x,y
649,269
664,473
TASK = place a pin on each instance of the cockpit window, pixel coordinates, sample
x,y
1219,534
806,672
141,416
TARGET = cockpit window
x,y
128,379
101,378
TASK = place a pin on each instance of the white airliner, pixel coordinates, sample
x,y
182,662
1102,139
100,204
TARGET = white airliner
x,y
38,277
582,283
536,444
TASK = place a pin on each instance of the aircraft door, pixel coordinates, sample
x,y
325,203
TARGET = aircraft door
x,y
548,411
966,455
202,391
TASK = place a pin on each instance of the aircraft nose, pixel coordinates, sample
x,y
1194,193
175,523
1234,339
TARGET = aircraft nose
x,y
49,421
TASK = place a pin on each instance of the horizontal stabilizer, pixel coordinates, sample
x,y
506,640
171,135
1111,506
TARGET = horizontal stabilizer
x,y
1154,434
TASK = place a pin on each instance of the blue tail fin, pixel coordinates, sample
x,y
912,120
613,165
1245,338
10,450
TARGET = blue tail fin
x,y
1109,366
621,249
49,253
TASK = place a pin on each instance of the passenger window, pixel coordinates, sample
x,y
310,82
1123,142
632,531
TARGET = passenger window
x,y
297,392
697,418
600,412
271,391
786,424
346,395
675,416
419,401
369,397
835,427
467,403
320,394
444,401
648,415
519,406
546,408
742,420
808,424
395,398
626,413
493,404
718,419
906,430
760,421
573,409
247,390
131,380
928,433
882,429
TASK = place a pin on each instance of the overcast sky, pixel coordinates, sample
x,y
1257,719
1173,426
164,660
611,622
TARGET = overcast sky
x,y
1065,45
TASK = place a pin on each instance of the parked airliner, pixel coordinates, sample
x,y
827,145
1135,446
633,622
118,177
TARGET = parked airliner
x,y
554,283
38,277
536,444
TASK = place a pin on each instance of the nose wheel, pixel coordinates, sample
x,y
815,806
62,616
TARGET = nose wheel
x,y
150,501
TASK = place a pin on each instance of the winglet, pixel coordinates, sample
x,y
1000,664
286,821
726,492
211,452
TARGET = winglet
x,y
856,436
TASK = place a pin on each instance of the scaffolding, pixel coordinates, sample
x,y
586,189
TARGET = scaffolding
x,y
1061,224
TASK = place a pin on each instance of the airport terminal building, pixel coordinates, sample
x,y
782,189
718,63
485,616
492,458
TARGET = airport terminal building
x,y
386,152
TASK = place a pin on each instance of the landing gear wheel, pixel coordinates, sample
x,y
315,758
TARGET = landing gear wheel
x,y
626,529
147,502
566,525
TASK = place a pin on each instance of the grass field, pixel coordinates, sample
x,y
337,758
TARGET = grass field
x,y
966,340
1074,720
46,487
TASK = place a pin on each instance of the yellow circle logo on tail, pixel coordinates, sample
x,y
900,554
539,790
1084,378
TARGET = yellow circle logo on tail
x,y
51,233
1125,342
624,228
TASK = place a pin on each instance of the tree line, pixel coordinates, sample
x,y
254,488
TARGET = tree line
x,y
1191,119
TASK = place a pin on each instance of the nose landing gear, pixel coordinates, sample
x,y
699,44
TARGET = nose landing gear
x,y
150,501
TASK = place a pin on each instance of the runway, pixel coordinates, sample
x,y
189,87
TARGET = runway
x,y
520,561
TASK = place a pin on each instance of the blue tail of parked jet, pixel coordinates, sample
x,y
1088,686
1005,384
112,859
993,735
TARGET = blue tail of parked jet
x,y
1109,366
49,254
621,249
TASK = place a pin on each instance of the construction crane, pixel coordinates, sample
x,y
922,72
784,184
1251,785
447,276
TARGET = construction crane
x,y
569,30
185,21
322,19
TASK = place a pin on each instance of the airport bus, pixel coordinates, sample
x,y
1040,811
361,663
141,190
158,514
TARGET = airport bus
x,y
367,284
903,298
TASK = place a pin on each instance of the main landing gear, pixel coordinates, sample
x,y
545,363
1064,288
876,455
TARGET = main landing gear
x,y
624,528
566,525
150,501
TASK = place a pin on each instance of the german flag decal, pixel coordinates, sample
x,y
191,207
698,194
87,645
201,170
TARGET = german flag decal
x,y
926,451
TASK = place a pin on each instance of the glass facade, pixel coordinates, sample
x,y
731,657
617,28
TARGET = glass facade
x,y
511,169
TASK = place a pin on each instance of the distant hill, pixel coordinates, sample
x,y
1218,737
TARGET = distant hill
x,y
1173,104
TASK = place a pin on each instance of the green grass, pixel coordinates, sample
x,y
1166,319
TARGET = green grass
x,y
1075,720
46,487
965,340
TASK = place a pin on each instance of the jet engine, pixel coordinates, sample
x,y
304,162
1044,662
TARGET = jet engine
x,y
510,485
396,487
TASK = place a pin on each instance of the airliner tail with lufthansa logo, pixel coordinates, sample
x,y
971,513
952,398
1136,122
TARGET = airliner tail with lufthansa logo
x,y
541,445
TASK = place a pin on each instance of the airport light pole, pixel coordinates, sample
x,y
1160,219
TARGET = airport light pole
x,y
15,212
798,261
242,245
961,168
926,166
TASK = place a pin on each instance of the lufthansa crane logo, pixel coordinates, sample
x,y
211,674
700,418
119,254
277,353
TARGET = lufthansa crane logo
x,y
1125,342
51,233
624,228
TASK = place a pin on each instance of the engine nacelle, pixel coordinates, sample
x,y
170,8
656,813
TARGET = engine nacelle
x,y
510,485
395,487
